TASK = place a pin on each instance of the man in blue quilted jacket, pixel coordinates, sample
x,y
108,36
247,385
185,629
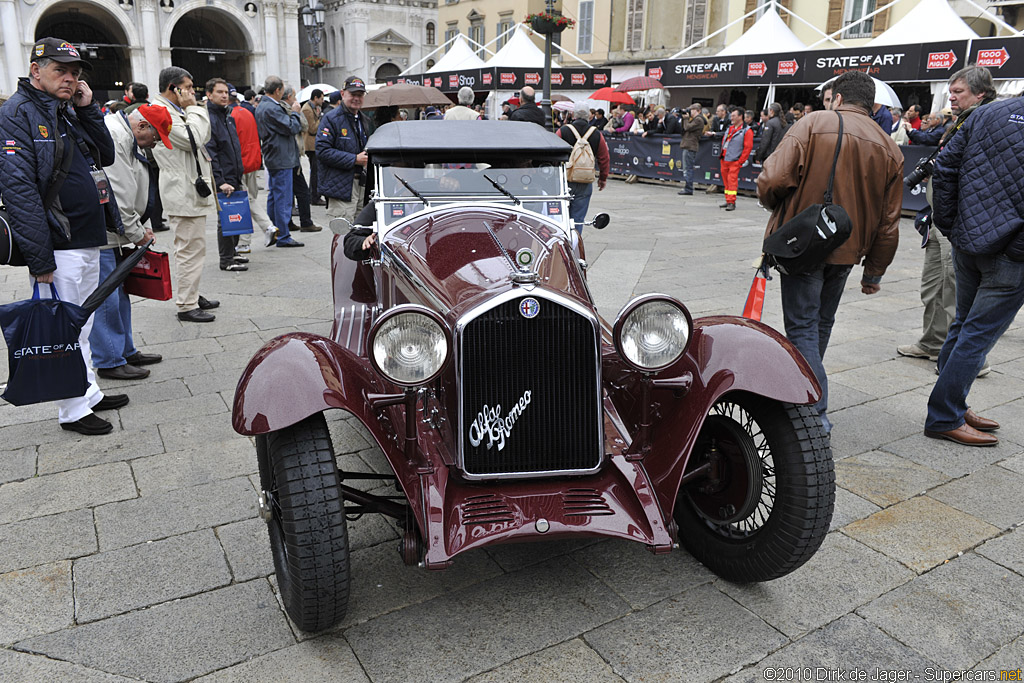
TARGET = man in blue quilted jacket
x,y
340,145
54,148
978,199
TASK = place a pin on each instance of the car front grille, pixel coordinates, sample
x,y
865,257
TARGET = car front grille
x,y
530,401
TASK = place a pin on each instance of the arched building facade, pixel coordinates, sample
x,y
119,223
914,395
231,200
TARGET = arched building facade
x,y
242,41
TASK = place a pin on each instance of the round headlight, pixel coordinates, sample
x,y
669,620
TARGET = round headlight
x,y
652,332
409,345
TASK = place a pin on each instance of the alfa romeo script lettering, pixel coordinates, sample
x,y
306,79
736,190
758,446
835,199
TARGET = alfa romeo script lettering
x,y
491,425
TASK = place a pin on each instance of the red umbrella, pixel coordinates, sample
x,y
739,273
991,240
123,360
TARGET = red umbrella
x,y
638,83
606,93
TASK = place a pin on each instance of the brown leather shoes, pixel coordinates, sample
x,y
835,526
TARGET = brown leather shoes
x,y
965,435
982,424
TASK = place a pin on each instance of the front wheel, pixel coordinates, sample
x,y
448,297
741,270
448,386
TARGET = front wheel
x,y
765,504
308,535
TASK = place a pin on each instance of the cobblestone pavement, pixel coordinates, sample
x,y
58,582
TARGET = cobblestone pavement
x,y
139,555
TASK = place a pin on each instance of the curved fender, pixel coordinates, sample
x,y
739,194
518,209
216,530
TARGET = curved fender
x,y
727,354
297,375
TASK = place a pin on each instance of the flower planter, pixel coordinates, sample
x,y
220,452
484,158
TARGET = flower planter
x,y
545,26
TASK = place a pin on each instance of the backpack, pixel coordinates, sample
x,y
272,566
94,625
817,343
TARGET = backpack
x,y
582,164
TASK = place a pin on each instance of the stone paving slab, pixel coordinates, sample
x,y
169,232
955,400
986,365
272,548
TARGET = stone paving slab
x,y
564,663
35,600
841,576
949,458
920,532
247,549
690,636
147,574
211,462
17,464
849,508
28,668
1007,550
36,541
1008,658
849,647
74,454
224,627
971,608
992,494
174,512
65,491
499,620
885,479
322,660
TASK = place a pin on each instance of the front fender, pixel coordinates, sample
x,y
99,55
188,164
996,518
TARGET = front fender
x,y
297,375
727,354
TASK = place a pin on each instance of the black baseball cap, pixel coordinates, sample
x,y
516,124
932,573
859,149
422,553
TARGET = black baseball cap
x,y
354,84
59,51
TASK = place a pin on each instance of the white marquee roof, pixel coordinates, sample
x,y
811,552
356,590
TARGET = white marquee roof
x,y
929,19
768,34
459,56
520,51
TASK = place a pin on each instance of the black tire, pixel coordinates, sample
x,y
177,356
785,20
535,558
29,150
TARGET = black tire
x,y
308,535
787,496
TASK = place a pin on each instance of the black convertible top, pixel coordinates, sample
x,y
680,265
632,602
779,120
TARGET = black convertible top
x,y
464,141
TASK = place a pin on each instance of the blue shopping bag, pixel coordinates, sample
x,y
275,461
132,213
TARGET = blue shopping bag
x,y
43,353
234,215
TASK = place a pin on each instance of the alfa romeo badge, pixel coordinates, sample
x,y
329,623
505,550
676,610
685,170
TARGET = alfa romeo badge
x,y
529,307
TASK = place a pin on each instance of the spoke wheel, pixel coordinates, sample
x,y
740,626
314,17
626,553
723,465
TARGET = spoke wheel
x,y
766,504
308,534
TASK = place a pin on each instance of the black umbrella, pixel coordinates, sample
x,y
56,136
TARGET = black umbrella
x,y
115,279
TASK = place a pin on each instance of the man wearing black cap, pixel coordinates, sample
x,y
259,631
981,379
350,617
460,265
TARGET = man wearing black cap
x,y
339,151
54,145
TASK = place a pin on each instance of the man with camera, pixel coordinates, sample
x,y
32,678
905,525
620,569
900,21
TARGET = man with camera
x,y
868,171
58,197
693,129
185,188
969,89
979,191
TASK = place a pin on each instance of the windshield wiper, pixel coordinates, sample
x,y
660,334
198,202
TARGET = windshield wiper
x,y
412,189
501,189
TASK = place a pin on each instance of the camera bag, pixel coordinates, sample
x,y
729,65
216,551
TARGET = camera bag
x,y
805,240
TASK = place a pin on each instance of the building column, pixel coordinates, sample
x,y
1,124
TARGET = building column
x,y
290,66
273,61
150,72
14,65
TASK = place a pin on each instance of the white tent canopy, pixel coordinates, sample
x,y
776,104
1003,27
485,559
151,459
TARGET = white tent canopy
x,y
768,34
459,56
520,52
931,20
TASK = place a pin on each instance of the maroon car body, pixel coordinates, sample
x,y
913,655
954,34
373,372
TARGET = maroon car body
x,y
592,446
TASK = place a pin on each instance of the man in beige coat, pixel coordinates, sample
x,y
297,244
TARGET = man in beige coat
x,y
180,168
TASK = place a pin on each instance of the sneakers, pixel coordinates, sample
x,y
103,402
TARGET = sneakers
x,y
242,249
289,242
723,205
126,371
90,425
207,304
730,207
915,351
271,236
985,369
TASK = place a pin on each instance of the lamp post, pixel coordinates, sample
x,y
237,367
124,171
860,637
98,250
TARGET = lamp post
x,y
547,29
313,21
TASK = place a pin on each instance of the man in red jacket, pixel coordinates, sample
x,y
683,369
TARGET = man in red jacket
x,y
736,147
252,162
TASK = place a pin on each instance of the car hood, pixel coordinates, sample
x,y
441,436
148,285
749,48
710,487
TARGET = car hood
x,y
452,254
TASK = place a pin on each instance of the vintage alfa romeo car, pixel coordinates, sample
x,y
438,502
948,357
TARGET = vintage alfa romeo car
x,y
469,346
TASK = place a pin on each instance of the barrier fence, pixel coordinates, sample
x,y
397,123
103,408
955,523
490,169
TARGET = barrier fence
x,y
661,157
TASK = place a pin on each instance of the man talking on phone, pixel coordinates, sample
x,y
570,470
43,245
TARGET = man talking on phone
x,y
54,148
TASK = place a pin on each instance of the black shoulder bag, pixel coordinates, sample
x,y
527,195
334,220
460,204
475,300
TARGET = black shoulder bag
x,y
803,242
202,189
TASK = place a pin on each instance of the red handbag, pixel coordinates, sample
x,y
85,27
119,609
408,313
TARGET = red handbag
x,y
755,298
151,277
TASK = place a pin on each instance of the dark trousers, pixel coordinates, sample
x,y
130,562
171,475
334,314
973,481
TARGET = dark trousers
x,y
314,186
301,190
809,303
226,248
156,212
689,161
989,294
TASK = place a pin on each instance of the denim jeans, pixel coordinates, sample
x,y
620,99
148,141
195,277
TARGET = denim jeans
x,y
580,202
809,303
689,161
989,293
111,336
279,198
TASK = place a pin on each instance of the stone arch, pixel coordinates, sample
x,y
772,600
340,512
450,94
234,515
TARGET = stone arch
x,y
210,40
112,39
385,71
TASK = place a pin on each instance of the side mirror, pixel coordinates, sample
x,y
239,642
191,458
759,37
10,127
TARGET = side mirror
x,y
601,221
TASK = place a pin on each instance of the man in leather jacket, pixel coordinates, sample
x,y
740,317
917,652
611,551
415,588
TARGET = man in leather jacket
x,y
55,145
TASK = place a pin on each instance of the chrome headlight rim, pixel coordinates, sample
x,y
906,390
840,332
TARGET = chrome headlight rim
x,y
402,309
628,310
